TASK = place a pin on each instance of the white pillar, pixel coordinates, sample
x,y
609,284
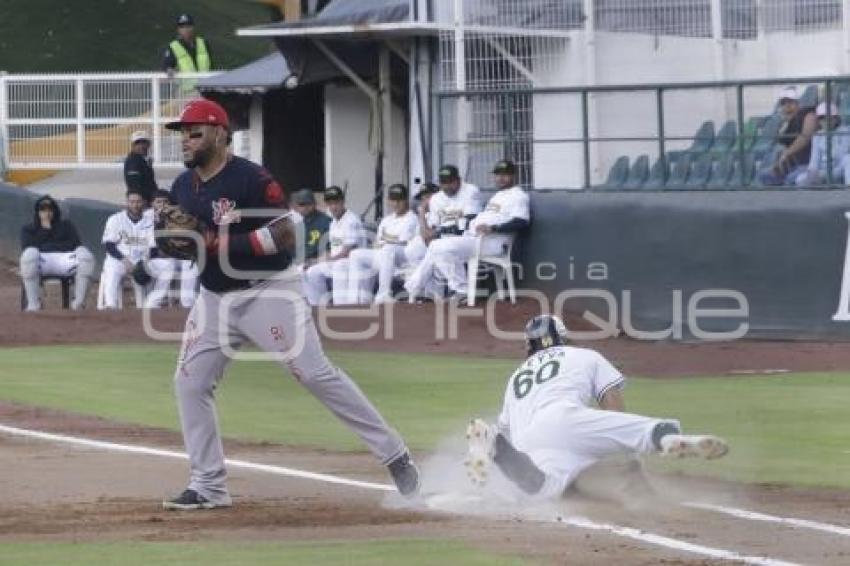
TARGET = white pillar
x,y
590,79
255,129
462,105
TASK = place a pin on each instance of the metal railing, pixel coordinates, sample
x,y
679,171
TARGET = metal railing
x,y
80,121
577,137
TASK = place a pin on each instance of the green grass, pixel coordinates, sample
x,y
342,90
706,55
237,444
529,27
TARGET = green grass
x,y
318,553
40,36
788,429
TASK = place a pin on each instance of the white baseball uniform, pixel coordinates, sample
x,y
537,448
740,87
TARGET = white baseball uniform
x,y
394,232
134,240
347,230
549,413
447,256
444,211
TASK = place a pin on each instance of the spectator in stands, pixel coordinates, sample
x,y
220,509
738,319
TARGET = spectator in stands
x,y
166,267
394,232
507,212
816,173
316,225
346,233
128,239
187,53
796,135
138,171
52,246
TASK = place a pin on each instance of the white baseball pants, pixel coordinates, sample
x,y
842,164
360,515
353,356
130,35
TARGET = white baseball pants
x,y
366,265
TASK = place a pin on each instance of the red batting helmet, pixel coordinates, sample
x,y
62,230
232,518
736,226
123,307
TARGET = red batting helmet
x,y
201,111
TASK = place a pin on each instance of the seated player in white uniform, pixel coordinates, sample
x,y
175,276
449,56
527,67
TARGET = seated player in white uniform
x,y
345,234
564,411
52,246
166,267
415,249
449,213
507,212
128,239
381,261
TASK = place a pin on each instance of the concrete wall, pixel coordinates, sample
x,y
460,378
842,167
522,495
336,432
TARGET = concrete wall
x,y
783,252
349,156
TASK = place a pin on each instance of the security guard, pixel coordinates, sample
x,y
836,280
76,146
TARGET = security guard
x,y
188,53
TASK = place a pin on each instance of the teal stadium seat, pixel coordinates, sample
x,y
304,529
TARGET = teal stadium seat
x,y
750,134
742,171
725,138
721,171
638,174
703,139
700,172
679,172
809,99
657,175
617,175
767,136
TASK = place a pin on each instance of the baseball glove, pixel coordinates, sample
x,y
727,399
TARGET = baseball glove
x,y
141,275
174,222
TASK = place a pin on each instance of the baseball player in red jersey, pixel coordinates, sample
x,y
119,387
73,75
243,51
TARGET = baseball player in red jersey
x,y
248,276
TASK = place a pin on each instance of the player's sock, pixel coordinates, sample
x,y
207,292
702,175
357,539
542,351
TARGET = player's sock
x,y
661,430
517,466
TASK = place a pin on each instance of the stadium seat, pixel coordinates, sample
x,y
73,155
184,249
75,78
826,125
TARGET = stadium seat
x,y
679,172
721,170
617,175
750,134
767,136
809,99
700,172
703,139
638,174
658,174
742,172
725,138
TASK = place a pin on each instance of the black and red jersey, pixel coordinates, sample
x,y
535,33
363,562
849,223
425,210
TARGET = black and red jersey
x,y
222,200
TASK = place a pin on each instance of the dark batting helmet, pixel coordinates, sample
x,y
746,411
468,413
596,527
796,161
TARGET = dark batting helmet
x,y
545,331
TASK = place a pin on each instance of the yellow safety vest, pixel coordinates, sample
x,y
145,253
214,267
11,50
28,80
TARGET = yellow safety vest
x,y
185,64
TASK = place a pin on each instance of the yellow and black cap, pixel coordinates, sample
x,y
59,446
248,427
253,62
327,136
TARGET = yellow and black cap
x,y
448,173
504,167
334,193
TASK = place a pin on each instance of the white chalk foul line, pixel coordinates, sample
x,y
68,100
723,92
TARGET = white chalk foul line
x,y
659,540
755,516
627,532
277,470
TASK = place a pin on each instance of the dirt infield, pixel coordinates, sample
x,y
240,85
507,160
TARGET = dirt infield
x,y
74,493
62,492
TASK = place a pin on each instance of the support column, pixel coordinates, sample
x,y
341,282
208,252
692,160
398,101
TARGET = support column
x,y
255,129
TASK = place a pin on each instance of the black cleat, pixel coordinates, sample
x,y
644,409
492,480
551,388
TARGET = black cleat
x,y
405,475
191,500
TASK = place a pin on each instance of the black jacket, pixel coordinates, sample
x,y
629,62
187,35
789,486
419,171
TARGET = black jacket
x,y
61,237
138,175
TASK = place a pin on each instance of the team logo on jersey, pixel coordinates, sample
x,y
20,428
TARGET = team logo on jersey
x,y
224,212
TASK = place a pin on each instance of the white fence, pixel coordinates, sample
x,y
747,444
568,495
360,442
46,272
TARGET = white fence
x,y
84,121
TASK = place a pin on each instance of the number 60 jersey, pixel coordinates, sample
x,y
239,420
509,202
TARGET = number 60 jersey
x,y
563,375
